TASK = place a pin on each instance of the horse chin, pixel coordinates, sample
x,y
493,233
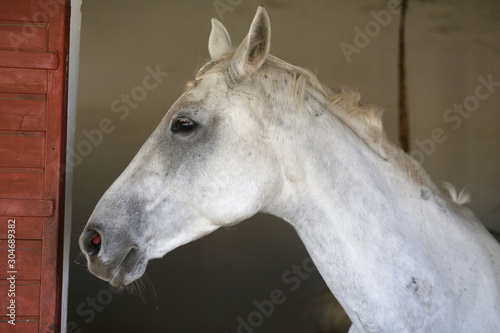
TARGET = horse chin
x,y
132,268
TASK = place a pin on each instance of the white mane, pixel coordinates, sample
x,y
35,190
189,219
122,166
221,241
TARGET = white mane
x,y
344,100
344,103
460,198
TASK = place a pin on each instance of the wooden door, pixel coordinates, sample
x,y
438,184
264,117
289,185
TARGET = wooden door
x,y
33,84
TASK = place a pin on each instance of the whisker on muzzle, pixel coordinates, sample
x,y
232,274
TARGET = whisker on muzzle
x,y
144,288
78,259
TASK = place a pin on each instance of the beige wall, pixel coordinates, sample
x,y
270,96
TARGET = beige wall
x,y
453,46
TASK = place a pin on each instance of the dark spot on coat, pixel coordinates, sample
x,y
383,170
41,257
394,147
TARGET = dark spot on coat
x,y
425,193
442,206
412,285
422,290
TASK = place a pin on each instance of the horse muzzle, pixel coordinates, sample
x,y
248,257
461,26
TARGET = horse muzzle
x,y
110,262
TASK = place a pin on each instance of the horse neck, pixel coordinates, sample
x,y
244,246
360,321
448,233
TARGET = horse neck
x,y
356,208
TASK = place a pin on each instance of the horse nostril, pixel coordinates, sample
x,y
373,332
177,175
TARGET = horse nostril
x,y
96,240
93,243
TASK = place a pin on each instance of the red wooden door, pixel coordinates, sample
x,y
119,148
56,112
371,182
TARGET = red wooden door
x,y
33,61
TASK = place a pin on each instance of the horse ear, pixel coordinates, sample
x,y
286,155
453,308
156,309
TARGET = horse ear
x,y
254,49
219,42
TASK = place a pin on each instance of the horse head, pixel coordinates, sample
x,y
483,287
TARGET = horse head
x,y
208,164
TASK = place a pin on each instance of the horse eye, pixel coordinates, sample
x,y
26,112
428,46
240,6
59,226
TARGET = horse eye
x,y
185,125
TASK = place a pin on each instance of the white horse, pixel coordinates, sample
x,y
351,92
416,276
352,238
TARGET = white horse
x,y
253,133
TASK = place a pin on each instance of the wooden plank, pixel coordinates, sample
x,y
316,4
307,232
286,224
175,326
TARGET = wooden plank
x,y
22,112
23,325
50,300
21,245
23,36
28,10
20,80
24,227
28,257
32,149
22,207
27,297
53,36
29,59
21,185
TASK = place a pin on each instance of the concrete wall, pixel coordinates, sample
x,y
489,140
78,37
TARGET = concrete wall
x,y
205,286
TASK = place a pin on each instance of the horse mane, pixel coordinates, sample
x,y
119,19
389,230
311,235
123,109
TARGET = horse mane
x,y
343,101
